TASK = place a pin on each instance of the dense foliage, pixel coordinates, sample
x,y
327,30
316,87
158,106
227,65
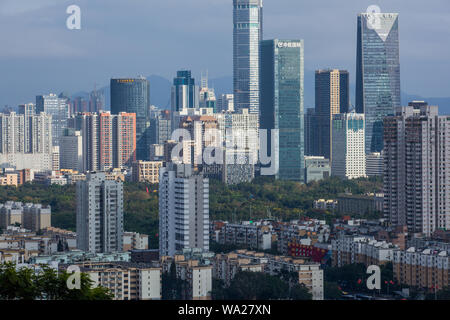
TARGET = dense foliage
x,y
25,284
353,277
260,199
258,286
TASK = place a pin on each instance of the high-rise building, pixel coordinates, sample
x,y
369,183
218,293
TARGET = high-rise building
x,y
377,73
183,210
71,150
26,141
99,214
348,157
374,164
185,94
417,169
241,135
59,109
109,141
133,96
332,97
161,127
311,128
247,33
281,104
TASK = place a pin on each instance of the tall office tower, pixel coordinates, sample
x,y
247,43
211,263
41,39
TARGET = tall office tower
x,y
349,157
161,127
247,33
109,141
28,109
26,141
281,104
99,214
58,108
184,92
311,129
225,102
332,97
416,169
133,96
377,73
71,150
183,209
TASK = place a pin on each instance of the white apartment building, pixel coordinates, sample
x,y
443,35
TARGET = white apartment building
x,y
348,140
125,280
183,209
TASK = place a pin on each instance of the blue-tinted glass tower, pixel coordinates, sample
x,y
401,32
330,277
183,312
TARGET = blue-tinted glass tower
x,y
281,104
133,96
377,73
247,33
185,94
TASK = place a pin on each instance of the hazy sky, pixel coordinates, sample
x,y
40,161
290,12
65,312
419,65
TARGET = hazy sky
x,y
38,54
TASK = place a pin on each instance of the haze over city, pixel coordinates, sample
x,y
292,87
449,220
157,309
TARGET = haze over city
x,y
39,54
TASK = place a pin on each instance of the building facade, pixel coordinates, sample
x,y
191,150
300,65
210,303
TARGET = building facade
x,y
416,169
133,96
348,151
183,209
59,109
99,214
377,73
247,33
332,97
26,141
281,105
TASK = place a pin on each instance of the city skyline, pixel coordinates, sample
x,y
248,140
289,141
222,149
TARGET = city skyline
x,y
77,51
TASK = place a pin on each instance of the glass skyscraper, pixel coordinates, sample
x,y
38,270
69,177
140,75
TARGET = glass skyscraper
x,y
281,92
247,33
184,92
377,73
133,96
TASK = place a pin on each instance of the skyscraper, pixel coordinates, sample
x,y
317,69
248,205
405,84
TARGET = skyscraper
x,y
184,92
348,158
417,169
332,97
183,209
133,96
247,33
99,214
281,93
377,73
59,109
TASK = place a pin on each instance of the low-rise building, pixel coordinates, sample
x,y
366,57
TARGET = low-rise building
x,y
125,280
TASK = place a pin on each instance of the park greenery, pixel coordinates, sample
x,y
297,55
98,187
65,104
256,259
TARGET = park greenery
x,y
263,198
25,284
